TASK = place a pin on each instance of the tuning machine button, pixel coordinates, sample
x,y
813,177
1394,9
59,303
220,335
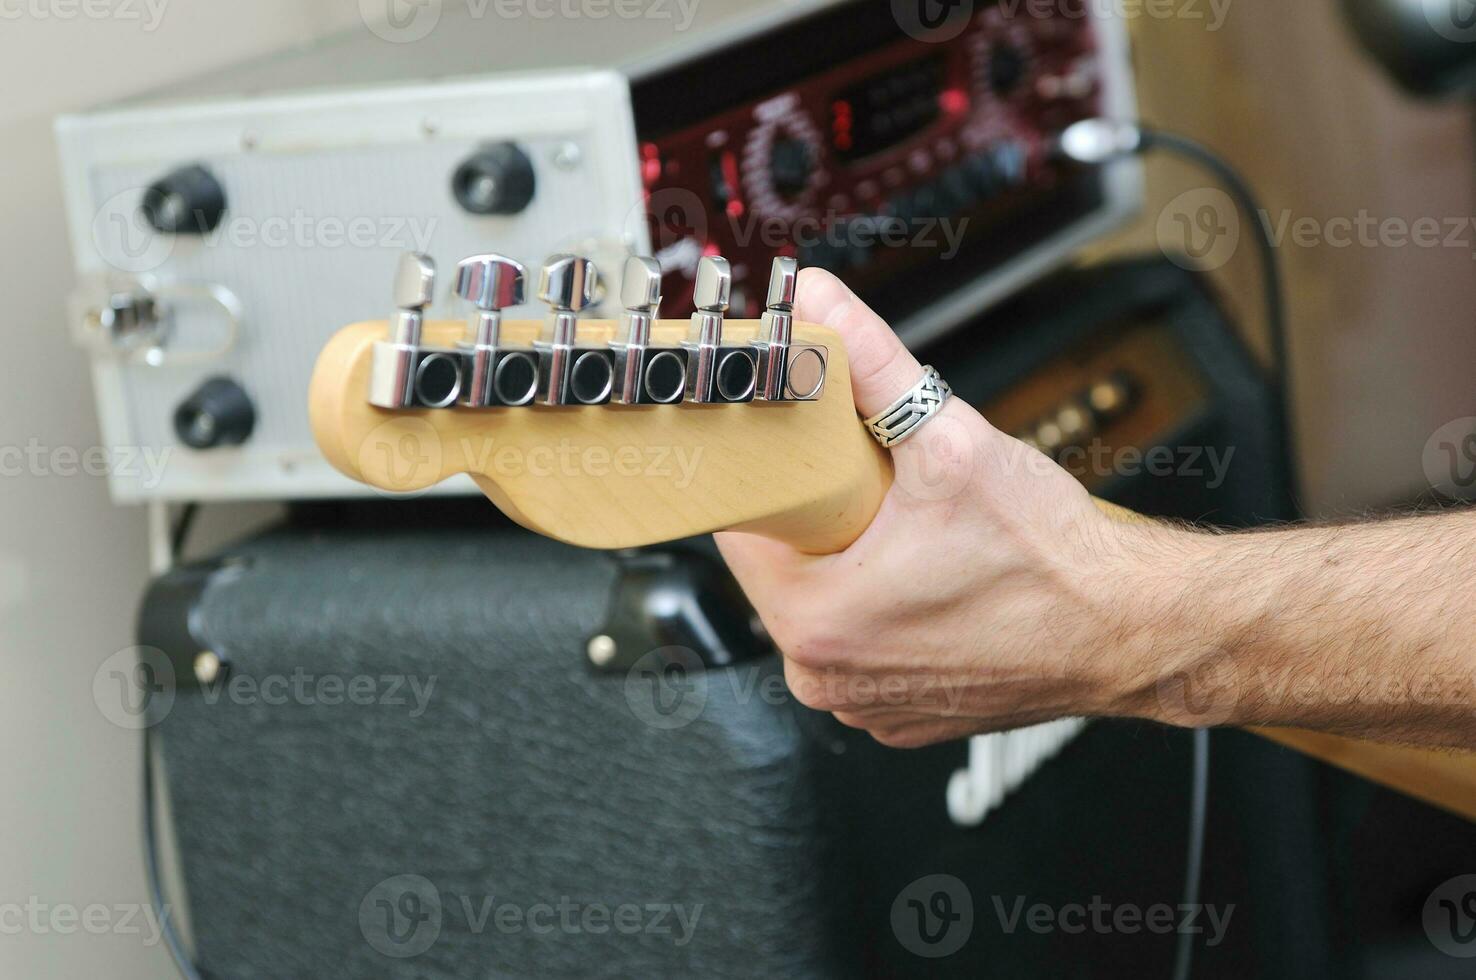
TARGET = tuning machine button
x,y
405,375
716,373
788,372
569,374
498,374
645,374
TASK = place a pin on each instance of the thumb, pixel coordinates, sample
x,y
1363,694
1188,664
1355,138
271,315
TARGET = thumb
x,y
940,463
882,368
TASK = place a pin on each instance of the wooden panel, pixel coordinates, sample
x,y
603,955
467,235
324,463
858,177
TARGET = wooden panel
x,y
1446,778
1382,334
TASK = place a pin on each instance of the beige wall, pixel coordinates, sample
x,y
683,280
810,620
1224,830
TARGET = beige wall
x,y
1383,339
1384,352
72,566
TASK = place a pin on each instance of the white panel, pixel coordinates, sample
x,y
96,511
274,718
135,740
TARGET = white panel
x,y
375,164
999,764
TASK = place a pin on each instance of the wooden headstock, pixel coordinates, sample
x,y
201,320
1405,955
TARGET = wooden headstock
x,y
617,476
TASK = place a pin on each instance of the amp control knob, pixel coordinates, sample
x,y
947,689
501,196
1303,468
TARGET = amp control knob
x,y
219,413
790,165
496,179
187,201
1008,66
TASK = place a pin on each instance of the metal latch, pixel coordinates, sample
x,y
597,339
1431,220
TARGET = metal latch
x,y
134,319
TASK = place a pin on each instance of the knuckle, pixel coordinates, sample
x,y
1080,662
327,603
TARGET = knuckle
x,y
901,738
807,688
878,356
812,645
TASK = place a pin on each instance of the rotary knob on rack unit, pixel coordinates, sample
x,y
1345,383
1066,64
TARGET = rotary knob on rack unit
x,y
790,164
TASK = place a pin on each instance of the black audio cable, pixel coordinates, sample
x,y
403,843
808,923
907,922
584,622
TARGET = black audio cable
x,y
167,927
1101,141
169,931
1194,860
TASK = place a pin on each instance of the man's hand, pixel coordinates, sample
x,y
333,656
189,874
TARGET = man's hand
x,y
989,593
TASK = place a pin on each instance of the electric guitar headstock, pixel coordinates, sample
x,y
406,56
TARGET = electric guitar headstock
x,y
606,434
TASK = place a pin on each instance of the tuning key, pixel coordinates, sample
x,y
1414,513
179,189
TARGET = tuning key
x,y
499,374
404,375
569,374
715,373
415,285
787,371
645,375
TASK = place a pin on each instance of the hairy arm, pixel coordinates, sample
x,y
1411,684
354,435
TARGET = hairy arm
x,y
990,592
1354,629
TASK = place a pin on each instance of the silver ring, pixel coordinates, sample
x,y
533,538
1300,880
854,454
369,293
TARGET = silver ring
x,y
907,414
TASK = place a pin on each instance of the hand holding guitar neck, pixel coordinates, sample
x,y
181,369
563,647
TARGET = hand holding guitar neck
x,y
981,549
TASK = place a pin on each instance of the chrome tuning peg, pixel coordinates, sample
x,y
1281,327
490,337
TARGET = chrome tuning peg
x,y
645,375
404,375
571,375
415,286
788,372
715,373
499,374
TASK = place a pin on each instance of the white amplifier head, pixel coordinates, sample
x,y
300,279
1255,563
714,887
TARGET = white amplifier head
x,y
322,194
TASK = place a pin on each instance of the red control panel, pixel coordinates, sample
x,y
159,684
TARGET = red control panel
x,y
880,163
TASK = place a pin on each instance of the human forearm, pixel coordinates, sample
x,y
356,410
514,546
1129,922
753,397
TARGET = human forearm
x,y
1351,629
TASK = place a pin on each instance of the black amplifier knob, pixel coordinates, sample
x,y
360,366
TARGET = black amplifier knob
x,y
494,180
1007,68
187,201
219,413
790,165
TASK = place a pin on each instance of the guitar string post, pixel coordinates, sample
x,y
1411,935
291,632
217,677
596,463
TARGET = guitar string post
x,y
787,371
401,377
645,374
569,374
716,374
498,374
